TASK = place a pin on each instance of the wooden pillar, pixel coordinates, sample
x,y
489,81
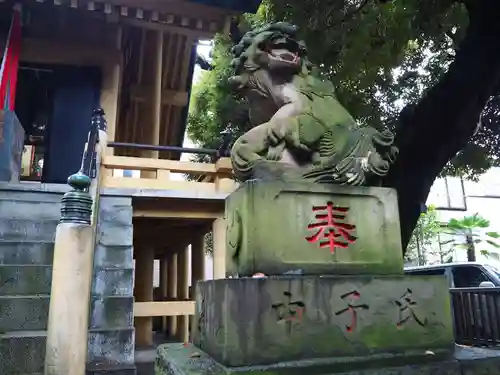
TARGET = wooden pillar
x,y
109,97
183,291
156,106
197,260
156,94
112,74
163,286
219,248
144,269
172,291
66,351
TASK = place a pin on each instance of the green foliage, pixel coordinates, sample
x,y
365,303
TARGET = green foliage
x,y
213,104
381,57
425,237
475,227
208,243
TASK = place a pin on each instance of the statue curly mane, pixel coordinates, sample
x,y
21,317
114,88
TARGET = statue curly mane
x,y
250,54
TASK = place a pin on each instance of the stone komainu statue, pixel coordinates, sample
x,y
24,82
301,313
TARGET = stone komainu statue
x,y
299,129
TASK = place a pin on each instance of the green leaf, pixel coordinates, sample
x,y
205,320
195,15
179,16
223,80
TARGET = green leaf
x,y
493,243
491,255
493,234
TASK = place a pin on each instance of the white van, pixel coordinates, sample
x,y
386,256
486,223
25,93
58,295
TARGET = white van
x,y
461,275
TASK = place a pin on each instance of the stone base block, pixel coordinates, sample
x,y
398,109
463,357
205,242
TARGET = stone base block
x,y
242,322
177,359
303,228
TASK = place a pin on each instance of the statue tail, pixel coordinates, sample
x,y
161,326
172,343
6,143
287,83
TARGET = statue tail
x,y
369,153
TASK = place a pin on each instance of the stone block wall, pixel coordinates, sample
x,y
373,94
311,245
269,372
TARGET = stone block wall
x,y
111,338
29,215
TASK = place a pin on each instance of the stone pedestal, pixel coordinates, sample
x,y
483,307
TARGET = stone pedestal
x,y
179,359
335,300
11,146
276,227
244,322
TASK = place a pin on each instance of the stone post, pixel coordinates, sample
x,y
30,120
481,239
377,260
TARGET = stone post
x,y
66,348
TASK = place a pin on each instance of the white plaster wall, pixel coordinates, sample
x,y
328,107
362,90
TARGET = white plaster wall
x,y
482,197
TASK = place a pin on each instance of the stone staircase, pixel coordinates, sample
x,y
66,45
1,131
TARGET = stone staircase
x,y
28,220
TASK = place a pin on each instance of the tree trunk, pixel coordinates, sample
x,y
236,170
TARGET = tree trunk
x,y
433,131
471,250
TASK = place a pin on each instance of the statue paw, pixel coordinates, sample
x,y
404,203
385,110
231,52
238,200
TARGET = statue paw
x,y
274,154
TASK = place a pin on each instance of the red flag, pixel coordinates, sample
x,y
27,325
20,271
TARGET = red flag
x,y
10,62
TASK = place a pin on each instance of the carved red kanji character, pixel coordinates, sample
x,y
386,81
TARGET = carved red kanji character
x,y
332,227
350,298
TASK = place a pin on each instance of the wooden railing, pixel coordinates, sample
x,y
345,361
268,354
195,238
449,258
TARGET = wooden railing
x,y
157,174
163,308
73,260
476,314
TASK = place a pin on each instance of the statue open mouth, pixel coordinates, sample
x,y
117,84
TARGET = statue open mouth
x,y
283,50
285,56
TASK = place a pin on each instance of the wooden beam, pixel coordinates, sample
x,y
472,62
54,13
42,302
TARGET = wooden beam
x,y
132,163
174,308
165,213
150,183
197,34
44,51
170,97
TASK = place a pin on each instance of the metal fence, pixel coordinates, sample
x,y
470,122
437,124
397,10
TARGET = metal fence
x,y
476,314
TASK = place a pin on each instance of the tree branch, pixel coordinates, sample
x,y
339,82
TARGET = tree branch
x,y
439,126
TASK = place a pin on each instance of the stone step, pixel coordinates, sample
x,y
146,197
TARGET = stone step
x,y
20,280
111,369
26,252
30,196
36,279
28,229
24,352
24,313
113,281
10,209
111,345
28,313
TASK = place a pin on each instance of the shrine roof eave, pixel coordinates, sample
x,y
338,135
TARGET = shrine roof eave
x,y
243,6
